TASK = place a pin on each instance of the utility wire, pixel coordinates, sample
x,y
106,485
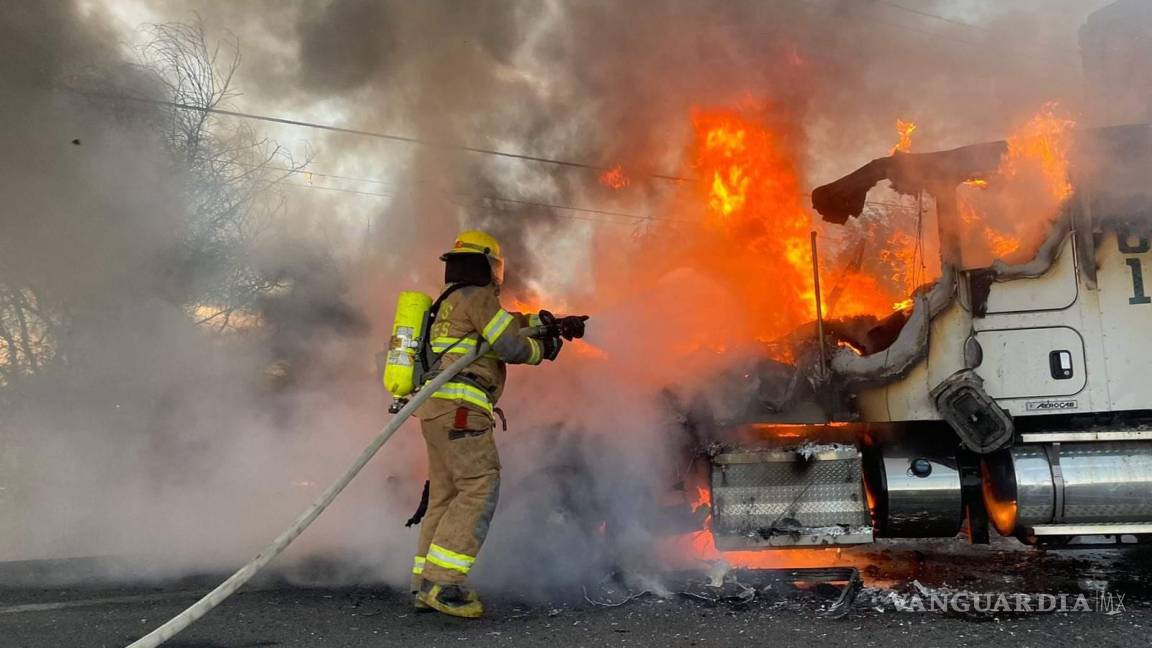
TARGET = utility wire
x,y
952,21
334,176
935,36
366,133
516,201
926,14
400,138
411,140
636,218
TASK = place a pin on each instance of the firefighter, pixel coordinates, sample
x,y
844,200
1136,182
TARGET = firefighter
x,y
458,423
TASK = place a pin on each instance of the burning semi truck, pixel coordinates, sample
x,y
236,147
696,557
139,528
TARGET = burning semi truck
x,y
1009,396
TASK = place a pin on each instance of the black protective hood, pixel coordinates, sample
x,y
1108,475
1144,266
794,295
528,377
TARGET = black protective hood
x,y
467,269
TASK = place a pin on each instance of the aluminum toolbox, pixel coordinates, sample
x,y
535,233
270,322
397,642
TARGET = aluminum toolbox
x,y
809,496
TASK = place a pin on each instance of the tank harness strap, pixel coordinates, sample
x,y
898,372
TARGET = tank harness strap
x,y
426,330
421,509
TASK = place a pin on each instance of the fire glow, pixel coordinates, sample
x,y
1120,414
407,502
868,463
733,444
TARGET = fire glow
x,y
756,235
700,547
756,238
905,130
615,178
729,263
1042,145
1031,185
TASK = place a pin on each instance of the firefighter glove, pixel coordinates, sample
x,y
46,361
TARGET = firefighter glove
x,y
551,347
572,326
549,325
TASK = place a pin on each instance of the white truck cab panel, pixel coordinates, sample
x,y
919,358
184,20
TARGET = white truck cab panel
x,y
1049,344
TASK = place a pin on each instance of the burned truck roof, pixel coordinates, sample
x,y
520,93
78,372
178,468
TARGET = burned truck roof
x,y
1115,161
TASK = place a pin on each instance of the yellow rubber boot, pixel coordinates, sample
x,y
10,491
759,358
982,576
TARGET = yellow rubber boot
x,y
417,584
452,599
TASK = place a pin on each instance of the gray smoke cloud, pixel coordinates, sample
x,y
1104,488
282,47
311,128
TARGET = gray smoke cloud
x,y
160,440
127,429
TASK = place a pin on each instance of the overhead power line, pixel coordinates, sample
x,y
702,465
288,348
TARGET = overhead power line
x,y
515,201
927,14
613,215
936,36
953,21
350,131
334,176
366,133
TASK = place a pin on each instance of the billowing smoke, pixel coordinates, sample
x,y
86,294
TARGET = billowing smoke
x,y
130,426
152,436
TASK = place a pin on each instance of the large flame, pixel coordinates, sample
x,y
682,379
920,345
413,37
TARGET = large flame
x,y
1042,147
1009,216
756,235
729,262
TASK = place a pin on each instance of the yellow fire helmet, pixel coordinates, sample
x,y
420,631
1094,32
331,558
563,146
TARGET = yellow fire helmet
x,y
477,242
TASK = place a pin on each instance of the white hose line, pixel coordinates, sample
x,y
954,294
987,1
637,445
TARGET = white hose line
x,y
237,580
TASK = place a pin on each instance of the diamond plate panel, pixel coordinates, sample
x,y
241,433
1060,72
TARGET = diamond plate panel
x,y
789,500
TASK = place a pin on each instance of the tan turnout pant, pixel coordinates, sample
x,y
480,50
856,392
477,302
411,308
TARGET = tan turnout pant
x,y
464,484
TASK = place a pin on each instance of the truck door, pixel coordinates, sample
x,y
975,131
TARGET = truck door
x,y
1032,362
1031,341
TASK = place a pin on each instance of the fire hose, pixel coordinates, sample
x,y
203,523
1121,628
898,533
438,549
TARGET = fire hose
x,y
237,580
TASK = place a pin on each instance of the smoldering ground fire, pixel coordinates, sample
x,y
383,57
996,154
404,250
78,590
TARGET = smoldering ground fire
x,y
740,108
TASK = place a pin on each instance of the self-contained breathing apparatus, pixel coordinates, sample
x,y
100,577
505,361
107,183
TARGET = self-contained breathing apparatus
x,y
409,356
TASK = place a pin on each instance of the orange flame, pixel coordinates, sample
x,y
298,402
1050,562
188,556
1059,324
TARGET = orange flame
x,y
1012,217
1043,144
615,178
703,497
701,546
905,130
587,349
758,226
528,305
757,234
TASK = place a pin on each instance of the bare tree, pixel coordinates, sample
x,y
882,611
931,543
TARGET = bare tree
x,y
232,196
229,178
26,330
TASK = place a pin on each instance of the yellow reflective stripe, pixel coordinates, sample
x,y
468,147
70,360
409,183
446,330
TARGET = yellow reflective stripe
x,y
457,345
447,559
418,565
442,344
464,392
534,320
497,325
448,553
537,351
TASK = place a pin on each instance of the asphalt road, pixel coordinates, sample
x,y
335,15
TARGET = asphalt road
x,y
280,614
